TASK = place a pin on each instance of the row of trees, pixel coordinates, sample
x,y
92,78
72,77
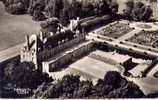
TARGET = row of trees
x,y
16,6
137,11
112,86
62,9
69,9
65,10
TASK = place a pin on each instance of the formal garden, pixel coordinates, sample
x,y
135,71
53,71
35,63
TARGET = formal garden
x,y
116,30
146,38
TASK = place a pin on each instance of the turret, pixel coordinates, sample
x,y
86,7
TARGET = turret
x,y
27,42
41,36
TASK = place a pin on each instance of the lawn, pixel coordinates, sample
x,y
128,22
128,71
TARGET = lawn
x,y
13,28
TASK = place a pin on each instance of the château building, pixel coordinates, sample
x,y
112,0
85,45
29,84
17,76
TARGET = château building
x,y
46,44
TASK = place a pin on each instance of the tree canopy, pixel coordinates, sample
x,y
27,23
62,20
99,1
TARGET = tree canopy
x,y
24,75
137,11
62,9
112,86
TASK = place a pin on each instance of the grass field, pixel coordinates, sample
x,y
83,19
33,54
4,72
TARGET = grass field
x,y
13,28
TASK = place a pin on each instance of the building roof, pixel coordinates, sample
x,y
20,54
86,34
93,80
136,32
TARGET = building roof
x,y
53,40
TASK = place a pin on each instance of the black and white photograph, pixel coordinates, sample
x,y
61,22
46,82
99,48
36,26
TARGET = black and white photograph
x,y
78,49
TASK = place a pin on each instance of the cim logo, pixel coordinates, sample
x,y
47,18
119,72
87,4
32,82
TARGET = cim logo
x,y
22,91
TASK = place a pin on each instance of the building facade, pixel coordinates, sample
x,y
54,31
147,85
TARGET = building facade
x,y
45,45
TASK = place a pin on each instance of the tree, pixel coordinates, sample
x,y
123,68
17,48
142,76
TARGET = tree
x,y
17,8
37,13
113,86
113,78
126,91
69,83
62,9
137,11
83,90
114,7
129,6
87,10
63,88
64,17
101,90
75,9
147,13
53,8
24,75
9,69
36,9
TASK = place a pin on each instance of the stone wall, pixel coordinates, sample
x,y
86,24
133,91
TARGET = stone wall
x,y
50,66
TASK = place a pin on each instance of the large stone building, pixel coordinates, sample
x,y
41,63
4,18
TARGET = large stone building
x,y
48,43
53,39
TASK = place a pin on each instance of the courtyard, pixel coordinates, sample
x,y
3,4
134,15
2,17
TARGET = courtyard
x,y
97,63
87,67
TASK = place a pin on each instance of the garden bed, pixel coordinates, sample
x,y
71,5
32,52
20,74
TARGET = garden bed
x,y
146,38
116,30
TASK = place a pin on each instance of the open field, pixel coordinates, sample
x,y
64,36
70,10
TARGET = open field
x,y
13,28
